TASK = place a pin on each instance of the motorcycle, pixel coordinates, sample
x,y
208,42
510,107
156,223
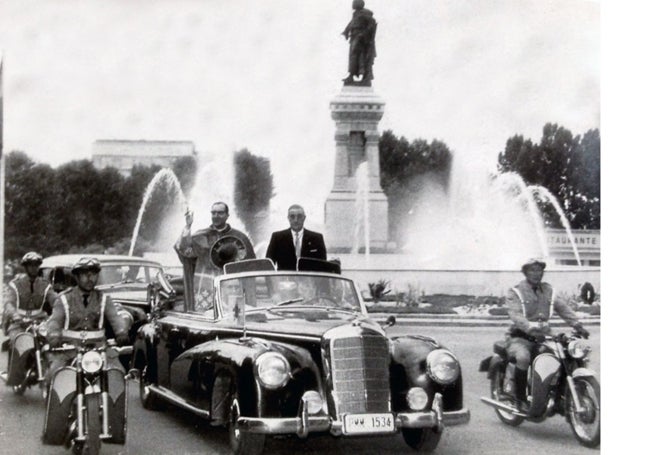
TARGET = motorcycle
x,y
87,400
26,357
559,382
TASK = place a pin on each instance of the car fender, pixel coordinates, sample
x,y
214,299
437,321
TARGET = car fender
x,y
409,353
408,369
233,363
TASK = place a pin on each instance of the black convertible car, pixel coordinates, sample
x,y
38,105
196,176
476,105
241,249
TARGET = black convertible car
x,y
266,352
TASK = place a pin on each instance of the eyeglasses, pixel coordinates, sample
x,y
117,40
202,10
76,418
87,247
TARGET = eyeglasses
x,y
218,212
296,217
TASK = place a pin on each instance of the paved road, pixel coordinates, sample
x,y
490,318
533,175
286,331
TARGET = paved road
x,y
177,432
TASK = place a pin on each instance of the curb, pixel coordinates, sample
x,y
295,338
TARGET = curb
x,y
467,321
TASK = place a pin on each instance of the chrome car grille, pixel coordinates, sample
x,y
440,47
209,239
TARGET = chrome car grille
x,y
360,374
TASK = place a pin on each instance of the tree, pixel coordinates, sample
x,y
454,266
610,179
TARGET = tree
x,y
253,192
185,170
407,168
567,166
28,198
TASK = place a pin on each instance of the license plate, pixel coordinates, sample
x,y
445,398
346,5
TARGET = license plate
x,y
369,423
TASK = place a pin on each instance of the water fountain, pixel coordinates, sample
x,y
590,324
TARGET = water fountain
x,y
162,177
470,237
362,209
547,196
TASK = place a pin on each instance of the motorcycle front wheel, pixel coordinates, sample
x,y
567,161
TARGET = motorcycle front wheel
x,y
496,391
93,428
586,424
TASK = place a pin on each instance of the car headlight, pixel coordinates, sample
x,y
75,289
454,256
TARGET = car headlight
x,y
442,366
578,349
272,370
91,362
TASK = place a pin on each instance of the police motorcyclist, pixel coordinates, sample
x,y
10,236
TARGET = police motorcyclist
x,y
81,311
530,304
27,295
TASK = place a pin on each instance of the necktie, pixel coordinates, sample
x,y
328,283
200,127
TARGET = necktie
x,y
296,244
85,300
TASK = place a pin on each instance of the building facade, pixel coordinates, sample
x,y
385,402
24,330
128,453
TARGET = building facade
x,y
124,154
586,242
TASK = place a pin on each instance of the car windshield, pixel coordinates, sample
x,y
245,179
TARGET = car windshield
x,y
286,291
127,273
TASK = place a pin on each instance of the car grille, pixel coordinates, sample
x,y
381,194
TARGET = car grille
x,y
360,374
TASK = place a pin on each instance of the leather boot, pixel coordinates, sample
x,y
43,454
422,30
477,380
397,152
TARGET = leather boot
x,y
521,382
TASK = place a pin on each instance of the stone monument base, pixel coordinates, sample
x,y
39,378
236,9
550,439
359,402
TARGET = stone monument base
x,y
342,217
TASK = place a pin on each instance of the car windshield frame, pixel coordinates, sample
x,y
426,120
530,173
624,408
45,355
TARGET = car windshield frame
x,y
61,274
285,291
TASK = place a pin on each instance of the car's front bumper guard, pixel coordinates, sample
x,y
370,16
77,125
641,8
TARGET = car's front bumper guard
x,y
305,423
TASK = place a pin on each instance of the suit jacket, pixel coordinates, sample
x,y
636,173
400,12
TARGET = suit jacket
x,y
283,253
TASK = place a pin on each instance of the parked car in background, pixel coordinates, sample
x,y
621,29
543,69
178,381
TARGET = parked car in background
x,y
125,278
269,353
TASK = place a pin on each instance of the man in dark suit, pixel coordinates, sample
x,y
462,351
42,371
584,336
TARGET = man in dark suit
x,y
287,246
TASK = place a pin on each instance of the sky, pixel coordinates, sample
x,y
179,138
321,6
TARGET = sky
x,y
260,74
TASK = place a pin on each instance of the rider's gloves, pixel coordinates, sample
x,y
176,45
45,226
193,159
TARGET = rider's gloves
x,y
16,318
581,331
536,334
55,342
122,339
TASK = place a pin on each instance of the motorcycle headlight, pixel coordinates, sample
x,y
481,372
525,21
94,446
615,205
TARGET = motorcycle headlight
x,y
442,366
91,362
272,370
578,349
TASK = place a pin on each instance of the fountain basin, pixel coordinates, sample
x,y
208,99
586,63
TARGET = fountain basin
x,y
405,272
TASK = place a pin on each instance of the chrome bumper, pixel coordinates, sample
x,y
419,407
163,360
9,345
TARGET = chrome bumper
x,y
306,424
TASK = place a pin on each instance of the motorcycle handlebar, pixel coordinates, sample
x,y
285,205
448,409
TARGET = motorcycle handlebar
x,y
110,343
560,337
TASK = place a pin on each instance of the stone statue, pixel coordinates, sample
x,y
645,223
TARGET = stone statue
x,y
361,34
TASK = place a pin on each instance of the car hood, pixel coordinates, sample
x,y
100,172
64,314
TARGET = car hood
x,y
303,323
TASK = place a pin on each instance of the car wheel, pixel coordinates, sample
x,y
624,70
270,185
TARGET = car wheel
x,y
242,442
148,399
422,439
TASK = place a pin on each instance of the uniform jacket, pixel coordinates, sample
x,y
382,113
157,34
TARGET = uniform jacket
x,y
70,314
24,297
282,251
526,305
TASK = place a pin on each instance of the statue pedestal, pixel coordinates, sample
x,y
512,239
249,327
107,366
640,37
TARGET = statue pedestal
x,y
356,112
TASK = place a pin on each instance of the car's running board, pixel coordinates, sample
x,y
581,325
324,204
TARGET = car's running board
x,y
171,396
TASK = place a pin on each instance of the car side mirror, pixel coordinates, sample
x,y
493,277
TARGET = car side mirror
x,y
390,321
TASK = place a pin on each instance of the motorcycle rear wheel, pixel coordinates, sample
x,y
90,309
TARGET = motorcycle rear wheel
x,y
586,425
496,392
